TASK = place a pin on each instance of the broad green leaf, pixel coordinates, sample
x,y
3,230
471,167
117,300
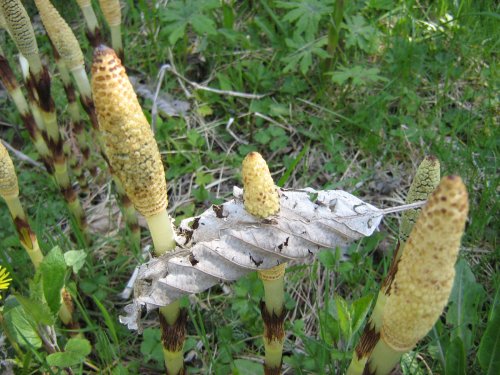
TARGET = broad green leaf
x,y
151,347
246,367
489,348
455,358
361,308
464,303
38,311
74,353
53,269
75,259
19,324
327,259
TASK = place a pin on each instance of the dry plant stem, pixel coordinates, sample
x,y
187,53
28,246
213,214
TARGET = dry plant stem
x,y
261,199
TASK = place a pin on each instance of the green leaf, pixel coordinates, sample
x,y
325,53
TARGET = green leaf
x,y
75,259
53,269
306,14
38,311
303,51
151,347
357,75
361,34
361,308
489,348
327,259
202,24
74,353
344,315
465,299
455,358
110,323
246,367
19,324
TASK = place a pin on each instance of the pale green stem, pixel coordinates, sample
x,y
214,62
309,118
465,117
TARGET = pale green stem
x,y
162,232
16,210
116,39
274,295
82,81
383,359
90,18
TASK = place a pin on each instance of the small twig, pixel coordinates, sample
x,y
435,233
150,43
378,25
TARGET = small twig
x,y
154,107
176,73
228,129
21,156
209,89
403,207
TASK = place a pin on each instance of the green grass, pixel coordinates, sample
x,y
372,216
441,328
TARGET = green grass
x,y
403,81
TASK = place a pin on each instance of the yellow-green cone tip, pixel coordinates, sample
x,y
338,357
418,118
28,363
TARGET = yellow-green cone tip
x,y
259,192
111,11
425,182
8,179
19,25
60,34
129,141
426,270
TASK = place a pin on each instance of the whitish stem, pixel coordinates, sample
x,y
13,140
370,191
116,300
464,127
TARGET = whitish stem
x,y
274,295
116,39
357,366
383,359
162,232
273,353
27,239
35,109
82,81
90,18
173,361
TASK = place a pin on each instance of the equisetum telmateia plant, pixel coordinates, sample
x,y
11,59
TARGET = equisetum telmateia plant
x,y
424,183
133,154
418,286
38,83
9,191
67,47
261,199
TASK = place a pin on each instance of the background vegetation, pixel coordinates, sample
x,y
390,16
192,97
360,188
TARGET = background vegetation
x,y
352,107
